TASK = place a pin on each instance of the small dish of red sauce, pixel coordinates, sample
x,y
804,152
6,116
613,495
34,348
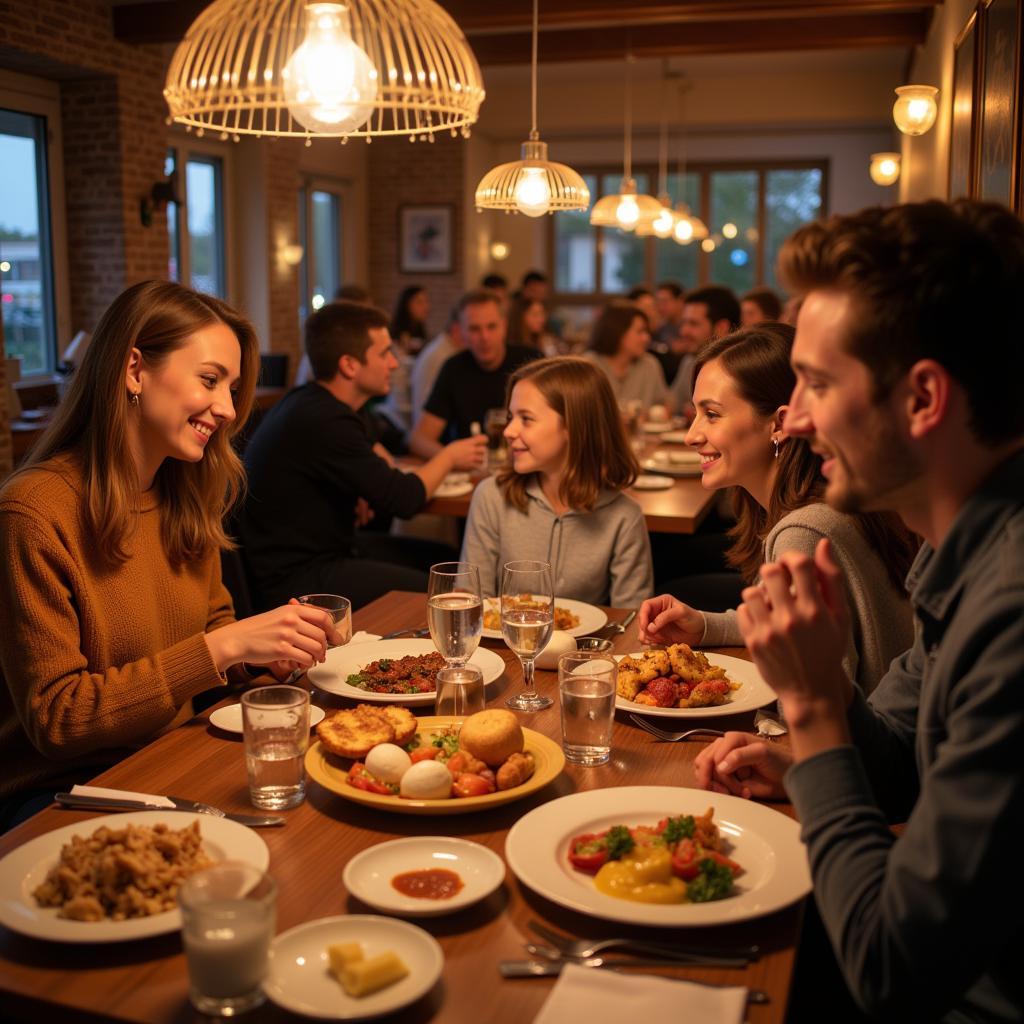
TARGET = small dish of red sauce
x,y
428,884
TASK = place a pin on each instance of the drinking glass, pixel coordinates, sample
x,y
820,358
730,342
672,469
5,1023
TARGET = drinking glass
x,y
228,917
460,691
455,610
586,684
495,422
275,722
340,609
527,613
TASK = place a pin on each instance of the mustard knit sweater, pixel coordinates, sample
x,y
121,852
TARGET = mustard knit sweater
x,y
93,659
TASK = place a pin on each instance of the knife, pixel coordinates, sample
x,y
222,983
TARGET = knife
x,y
104,803
552,968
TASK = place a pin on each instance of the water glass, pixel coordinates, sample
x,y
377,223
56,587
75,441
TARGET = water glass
x,y
228,918
455,610
495,422
527,615
340,609
460,691
275,722
586,683
596,644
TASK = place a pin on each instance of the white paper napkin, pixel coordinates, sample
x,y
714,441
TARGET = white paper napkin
x,y
609,997
363,637
121,794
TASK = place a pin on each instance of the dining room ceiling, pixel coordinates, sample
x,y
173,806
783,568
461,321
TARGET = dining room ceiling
x,y
590,30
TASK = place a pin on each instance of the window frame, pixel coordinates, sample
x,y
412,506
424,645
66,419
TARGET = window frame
x,y
344,191
41,98
704,169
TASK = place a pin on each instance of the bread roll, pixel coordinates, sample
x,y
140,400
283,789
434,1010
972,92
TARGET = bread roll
x,y
492,735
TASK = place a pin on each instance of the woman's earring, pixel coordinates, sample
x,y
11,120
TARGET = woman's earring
x,y
134,399
775,443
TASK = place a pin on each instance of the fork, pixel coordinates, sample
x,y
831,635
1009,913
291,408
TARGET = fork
x,y
692,959
620,627
585,949
673,737
423,631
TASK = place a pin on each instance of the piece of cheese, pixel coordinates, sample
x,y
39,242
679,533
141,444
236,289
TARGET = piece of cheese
x,y
365,976
341,954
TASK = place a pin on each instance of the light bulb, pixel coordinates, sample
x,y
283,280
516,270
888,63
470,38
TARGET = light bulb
x,y
884,168
627,213
533,196
683,230
329,83
729,230
499,250
663,223
708,245
915,108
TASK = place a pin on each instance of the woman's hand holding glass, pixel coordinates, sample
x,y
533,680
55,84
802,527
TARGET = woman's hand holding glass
x,y
664,620
743,765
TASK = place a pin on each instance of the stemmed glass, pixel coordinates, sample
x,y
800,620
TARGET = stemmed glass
x,y
527,613
340,610
455,610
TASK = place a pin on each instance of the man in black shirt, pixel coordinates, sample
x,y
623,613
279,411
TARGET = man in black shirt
x,y
313,470
472,381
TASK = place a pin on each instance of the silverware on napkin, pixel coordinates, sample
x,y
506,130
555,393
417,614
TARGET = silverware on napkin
x,y
106,803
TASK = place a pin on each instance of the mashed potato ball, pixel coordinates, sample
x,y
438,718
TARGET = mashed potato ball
x,y
427,780
388,762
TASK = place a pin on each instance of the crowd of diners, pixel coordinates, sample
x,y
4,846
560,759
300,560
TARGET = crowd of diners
x,y
875,457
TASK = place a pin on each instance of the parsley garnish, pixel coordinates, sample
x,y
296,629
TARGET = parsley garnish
x,y
678,828
619,842
713,883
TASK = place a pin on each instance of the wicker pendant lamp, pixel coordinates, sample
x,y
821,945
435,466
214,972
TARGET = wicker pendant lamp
x,y
361,68
533,185
624,209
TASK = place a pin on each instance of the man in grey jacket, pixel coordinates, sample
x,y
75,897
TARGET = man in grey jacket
x,y
908,369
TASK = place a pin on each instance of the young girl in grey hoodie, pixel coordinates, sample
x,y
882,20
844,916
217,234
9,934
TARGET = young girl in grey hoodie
x,y
560,498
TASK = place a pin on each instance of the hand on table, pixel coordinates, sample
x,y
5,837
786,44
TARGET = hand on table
x,y
664,620
363,512
743,765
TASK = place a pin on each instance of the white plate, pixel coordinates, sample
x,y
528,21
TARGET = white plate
x,y
654,427
652,482
453,486
674,437
753,693
671,468
765,842
298,977
368,875
591,617
26,867
230,718
344,661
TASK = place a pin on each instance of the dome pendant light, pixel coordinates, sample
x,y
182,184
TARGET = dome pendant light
x,y
358,68
533,185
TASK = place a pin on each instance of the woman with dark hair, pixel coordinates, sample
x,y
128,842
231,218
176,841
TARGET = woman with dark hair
x,y
742,384
527,325
618,345
409,322
112,610
560,499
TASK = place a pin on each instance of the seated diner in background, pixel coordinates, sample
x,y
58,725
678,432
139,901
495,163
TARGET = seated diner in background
x,y
618,347
315,475
472,381
907,387
560,500
112,610
742,387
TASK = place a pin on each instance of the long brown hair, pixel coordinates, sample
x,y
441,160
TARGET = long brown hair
x,y
611,326
599,457
156,317
757,360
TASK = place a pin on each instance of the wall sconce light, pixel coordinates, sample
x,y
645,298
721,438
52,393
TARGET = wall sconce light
x,y
162,193
915,108
885,168
499,251
290,255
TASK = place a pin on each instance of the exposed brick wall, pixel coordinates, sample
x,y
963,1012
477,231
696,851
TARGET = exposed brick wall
x,y
283,226
424,174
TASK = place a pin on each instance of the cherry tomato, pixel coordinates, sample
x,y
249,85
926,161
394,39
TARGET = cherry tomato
x,y
588,852
359,777
424,754
468,784
686,859
457,764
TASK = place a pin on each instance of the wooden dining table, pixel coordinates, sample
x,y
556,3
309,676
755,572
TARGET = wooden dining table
x,y
146,980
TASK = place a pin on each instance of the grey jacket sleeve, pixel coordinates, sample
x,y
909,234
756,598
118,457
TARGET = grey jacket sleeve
x,y
721,629
481,545
631,570
915,921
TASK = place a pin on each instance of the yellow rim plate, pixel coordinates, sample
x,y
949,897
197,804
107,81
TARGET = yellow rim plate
x,y
327,769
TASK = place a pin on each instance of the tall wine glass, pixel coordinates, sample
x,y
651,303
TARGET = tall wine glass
x,y
455,610
527,613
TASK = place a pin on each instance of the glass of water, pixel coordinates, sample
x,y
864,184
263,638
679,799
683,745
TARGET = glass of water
x,y
340,609
460,691
275,723
455,610
527,614
228,918
586,683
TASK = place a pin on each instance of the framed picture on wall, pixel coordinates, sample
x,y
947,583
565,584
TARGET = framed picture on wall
x,y
998,141
961,134
425,239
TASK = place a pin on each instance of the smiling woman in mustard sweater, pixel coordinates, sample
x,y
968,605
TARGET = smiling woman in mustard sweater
x,y
112,610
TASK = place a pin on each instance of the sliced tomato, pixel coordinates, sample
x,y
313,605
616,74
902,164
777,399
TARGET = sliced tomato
x,y
424,754
359,777
720,858
588,852
457,764
686,859
468,784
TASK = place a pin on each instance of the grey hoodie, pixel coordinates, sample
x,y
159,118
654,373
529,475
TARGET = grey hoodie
x,y
601,557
